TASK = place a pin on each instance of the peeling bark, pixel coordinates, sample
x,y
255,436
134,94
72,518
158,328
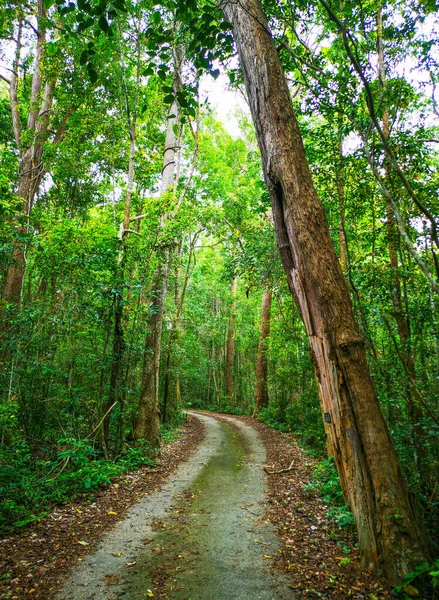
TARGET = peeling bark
x,y
390,535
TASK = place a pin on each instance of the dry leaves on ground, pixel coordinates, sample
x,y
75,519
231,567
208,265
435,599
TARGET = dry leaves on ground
x,y
35,561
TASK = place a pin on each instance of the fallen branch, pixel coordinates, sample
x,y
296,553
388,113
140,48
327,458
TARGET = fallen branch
x,y
290,468
250,511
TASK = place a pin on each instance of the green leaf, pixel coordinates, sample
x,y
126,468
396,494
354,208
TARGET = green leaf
x,y
92,74
103,23
191,111
48,4
83,59
84,6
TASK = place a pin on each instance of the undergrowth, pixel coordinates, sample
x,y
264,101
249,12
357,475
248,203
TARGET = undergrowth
x,y
223,406
326,483
29,488
31,485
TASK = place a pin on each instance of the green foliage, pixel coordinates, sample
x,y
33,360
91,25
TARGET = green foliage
x,y
58,354
30,485
273,417
326,483
426,577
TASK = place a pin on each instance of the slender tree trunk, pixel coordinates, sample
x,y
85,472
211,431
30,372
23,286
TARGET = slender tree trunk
x,y
389,532
230,347
261,359
341,200
148,424
31,163
116,394
398,313
172,402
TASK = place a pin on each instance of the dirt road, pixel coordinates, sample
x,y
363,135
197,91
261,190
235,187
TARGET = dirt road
x,y
202,537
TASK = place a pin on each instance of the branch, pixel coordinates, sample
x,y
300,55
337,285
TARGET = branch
x,y
290,468
347,40
421,264
13,89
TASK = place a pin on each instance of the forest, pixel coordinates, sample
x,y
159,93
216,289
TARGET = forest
x,y
281,264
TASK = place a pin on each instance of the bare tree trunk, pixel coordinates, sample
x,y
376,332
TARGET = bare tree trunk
x,y
148,424
32,169
390,533
261,359
230,347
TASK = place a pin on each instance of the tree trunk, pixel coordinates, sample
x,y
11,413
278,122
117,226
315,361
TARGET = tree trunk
x,y
230,348
172,402
389,532
261,359
31,163
117,394
148,424
341,199
398,313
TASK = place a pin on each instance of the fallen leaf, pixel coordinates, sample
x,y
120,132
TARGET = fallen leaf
x,y
149,593
411,591
111,512
82,543
117,553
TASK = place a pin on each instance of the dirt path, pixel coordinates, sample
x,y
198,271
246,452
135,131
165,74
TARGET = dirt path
x,y
202,537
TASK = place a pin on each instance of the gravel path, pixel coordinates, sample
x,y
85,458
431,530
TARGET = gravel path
x,y
202,537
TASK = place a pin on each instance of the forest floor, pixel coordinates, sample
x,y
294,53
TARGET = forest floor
x,y
208,532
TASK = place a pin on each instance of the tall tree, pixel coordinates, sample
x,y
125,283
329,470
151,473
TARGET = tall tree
x,y
148,423
261,358
29,145
230,345
389,531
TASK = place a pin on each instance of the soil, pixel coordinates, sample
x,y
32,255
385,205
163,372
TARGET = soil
x,y
200,527
203,536
33,563
321,559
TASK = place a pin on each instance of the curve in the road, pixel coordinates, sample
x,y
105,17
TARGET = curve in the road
x,y
202,536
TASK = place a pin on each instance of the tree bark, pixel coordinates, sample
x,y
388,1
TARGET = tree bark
x,y
230,347
31,164
148,424
117,392
341,199
261,359
390,534
31,171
